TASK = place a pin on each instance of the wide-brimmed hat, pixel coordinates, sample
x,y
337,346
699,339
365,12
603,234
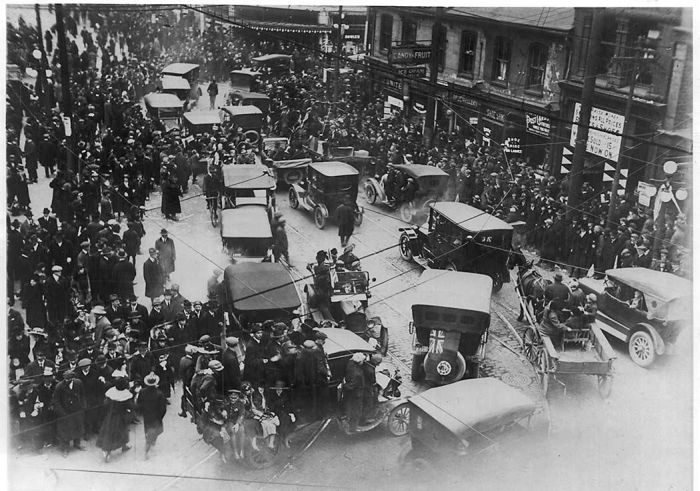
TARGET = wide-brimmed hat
x,y
216,365
38,331
99,310
151,380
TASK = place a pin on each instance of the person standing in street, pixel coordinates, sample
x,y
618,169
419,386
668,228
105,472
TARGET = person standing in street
x,y
353,389
213,91
153,275
114,432
166,253
280,243
69,406
346,222
152,405
57,295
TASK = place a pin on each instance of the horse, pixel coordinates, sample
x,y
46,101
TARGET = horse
x,y
530,284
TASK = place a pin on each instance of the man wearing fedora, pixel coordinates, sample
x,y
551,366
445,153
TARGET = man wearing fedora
x,y
69,405
94,391
153,275
232,366
36,368
152,405
101,324
45,389
166,252
124,274
57,295
114,309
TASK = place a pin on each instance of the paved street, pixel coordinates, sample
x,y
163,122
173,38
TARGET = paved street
x,y
648,412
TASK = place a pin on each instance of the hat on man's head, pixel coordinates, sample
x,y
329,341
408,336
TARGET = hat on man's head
x,y
558,277
216,365
231,341
99,310
85,362
56,269
163,232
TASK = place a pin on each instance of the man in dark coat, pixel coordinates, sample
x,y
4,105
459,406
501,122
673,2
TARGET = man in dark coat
x,y
254,365
557,290
153,275
61,253
114,309
36,368
346,222
152,404
124,273
132,242
69,405
166,253
57,296
94,390
141,364
185,371
156,316
47,222
135,306
232,367
353,389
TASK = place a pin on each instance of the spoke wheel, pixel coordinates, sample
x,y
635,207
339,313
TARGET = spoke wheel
x,y
214,216
319,219
641,349
370,194
405,247
406,212
293,199
530,344
397,421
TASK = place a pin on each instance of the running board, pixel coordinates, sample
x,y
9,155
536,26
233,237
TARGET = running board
x,y
422,262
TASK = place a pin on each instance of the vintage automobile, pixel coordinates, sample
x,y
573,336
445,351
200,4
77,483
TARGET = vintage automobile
x,y
245,80
246,235
165,108
450,327
181,88
198,122
287,170
256,292
246,117
326,186
246,184
272,64
321,150
459,237
188,71
430,181
652,326
241,98
461,420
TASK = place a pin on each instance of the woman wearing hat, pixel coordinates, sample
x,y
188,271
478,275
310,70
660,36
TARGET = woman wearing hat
x,y
114,432
152,405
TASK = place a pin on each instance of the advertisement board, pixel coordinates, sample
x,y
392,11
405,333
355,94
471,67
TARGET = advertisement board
x,y
537,124
409,55
602,143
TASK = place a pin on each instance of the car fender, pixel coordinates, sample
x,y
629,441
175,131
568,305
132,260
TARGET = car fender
x,y
371,181
410,232
324,209
659,345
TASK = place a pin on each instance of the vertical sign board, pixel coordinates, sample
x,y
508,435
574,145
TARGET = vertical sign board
x,y
602,143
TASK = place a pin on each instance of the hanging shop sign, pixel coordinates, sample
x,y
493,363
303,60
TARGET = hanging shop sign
x,y
512,145
412,71
409,55
604,143
645,192
537,124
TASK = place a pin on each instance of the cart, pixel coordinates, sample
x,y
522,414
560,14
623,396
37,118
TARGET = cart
x,y
581,352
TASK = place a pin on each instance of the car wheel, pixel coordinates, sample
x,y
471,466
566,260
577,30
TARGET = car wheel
x,y
641,349
455,372
319,218
293,199
417,371
497,283
405,247
384,341
370,194
397,420
450,266
406,212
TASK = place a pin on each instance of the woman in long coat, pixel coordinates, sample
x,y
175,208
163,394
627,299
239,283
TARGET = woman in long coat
x,y
114,433
170,205
151,403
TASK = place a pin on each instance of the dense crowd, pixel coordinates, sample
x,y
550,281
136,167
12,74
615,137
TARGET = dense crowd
x,y
73,268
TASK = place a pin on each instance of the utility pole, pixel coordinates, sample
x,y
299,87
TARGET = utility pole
x,y
431,110
338,53
636,61
67,104
585,115
41,76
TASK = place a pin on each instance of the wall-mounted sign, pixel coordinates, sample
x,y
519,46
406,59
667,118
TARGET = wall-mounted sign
x,y
537,124
465,101
601,143
412,71
495,115
512,145
393,84
409,55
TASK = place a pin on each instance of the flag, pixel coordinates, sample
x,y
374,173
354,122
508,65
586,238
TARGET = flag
x,y
437,340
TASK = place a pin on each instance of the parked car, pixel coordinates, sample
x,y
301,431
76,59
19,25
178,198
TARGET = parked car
x,y
188,71
242,98
272,64
326,186
459,237
167,109
245,80
180,88
450,327
649,324
198,122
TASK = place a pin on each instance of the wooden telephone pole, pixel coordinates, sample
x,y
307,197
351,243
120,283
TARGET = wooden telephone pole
x,y
66,103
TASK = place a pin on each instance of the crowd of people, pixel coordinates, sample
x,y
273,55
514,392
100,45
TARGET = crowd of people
x,y
87,356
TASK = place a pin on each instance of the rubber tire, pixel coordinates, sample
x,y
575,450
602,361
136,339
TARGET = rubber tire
x,y
319,219
384,341
405,212
417,370
450,266
644,338
293,199
497,283
457,372
370,194
400,416
292,176
405,247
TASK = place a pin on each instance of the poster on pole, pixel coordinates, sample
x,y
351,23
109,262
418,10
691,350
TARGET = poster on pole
x,y
604,143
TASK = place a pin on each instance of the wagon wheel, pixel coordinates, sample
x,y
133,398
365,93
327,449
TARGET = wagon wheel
x,y
214,217
604,385
397,420
319,218
531,344
293,199
543,370
370,194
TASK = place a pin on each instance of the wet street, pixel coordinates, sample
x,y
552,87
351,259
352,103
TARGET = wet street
x,y
639,438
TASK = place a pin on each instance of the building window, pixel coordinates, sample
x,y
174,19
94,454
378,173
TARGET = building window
x,y
385,30
467,52
537,65
501,60
408,31
442,47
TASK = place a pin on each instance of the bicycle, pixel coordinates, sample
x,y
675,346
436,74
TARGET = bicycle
x,y
213,203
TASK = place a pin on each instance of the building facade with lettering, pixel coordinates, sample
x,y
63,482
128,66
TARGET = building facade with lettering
x,y
661,115
498,70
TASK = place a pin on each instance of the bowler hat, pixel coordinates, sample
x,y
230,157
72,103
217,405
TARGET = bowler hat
x,y
151,380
